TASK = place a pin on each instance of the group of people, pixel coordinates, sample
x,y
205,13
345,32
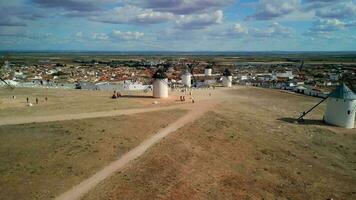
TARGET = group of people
x,y
116,95
182,98
28,100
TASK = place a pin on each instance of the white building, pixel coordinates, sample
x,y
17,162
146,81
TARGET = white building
x,y
8,82
242,77
341,107
118,86
264,77
287,74
300,89
19,75
334,76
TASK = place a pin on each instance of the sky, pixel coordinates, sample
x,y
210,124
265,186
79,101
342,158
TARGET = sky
x,y
178,25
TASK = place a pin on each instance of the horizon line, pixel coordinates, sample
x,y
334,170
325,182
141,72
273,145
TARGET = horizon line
x,y
183,50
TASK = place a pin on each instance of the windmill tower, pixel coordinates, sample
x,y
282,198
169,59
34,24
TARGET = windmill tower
x,y
160,84
187,79
208,70
341,107
191,68
227,78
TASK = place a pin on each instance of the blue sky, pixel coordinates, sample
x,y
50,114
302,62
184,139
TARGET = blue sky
x,y
178,25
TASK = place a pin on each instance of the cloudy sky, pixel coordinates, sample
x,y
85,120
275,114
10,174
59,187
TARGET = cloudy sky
x,y
178,25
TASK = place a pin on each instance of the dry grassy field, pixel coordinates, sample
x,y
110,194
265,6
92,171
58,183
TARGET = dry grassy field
x,y
248,148
42,160
66,101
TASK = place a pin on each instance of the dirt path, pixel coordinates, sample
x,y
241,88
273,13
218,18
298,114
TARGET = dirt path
x,y
202,97
78,191
39,119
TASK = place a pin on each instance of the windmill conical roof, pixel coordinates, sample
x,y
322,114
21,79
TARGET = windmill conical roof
x,y
209,67
227,73
160,74
343,92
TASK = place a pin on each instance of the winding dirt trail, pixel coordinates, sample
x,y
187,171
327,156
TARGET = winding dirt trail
x,y
196,111
77,116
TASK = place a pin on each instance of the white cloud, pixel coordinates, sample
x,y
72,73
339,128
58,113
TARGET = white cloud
x,y
181,7
270,9
271,31
328,25
127,35
201,20
100,36
79,34
340,10
274,30
132,14
240,29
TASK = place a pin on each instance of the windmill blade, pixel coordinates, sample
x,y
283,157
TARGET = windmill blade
x,y
311,109
6,83
191,67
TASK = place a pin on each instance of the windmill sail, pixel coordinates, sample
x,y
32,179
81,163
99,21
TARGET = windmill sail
x,y
6,83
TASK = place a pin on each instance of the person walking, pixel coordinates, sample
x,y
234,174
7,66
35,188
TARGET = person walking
x,y
114,96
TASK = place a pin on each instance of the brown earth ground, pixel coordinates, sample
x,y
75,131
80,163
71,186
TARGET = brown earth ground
x,y
248,148
42,160
68,101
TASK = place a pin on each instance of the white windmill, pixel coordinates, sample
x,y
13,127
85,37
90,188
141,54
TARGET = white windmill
x,y
227,78
341,107
160,84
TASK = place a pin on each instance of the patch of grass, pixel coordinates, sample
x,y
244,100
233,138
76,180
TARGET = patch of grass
x,y
39,161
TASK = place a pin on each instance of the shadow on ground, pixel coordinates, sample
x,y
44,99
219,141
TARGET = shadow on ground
x,y
303,122
136,96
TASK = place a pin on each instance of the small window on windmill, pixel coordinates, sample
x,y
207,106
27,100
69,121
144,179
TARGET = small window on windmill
x,y
349,112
